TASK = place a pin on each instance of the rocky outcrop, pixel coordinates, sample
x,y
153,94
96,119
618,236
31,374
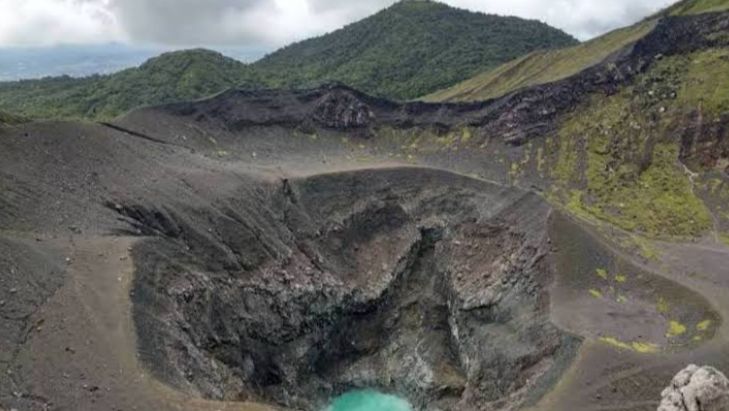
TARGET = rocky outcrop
x,y
705,142
342,110
696,389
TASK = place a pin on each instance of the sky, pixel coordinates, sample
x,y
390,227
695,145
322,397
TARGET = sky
x,y
266,24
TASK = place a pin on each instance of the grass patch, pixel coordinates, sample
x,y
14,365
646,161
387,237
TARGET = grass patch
x,y
643,347
703,325
698,7
602,273
10,119
675,329
626,167
637,346
705,83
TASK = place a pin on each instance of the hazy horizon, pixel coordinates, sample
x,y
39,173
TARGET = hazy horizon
x,y
19,63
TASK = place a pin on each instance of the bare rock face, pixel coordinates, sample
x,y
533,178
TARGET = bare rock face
x,y
418,282
341,110
696,389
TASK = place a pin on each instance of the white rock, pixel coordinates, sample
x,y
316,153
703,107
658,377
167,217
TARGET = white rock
x,y
696,389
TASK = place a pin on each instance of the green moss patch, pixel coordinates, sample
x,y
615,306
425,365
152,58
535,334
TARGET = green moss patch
x,y
699,6
617,160
637,346
704,82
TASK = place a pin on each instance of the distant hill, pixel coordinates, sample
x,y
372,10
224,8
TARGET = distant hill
x,y
410,49
407,50
174,76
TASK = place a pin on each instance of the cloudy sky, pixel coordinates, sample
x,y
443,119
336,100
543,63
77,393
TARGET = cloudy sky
x,y
262,23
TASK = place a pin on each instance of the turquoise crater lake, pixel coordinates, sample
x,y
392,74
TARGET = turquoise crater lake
x,y
368,400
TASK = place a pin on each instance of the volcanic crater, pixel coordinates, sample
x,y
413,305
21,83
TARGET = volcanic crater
x,y
288,246
415,281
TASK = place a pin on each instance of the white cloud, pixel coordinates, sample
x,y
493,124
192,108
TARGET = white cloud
x,y
583,19
270,23
49,22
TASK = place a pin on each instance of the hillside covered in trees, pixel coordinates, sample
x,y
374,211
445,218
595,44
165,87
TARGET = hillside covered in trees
x,y
407,50
410,49
170,77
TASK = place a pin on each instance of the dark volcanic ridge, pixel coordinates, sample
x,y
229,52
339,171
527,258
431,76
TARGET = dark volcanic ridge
x,y
516,118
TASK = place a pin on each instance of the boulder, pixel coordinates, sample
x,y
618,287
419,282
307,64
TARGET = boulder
x,y
696,389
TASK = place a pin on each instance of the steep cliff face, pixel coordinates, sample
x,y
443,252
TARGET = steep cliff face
x,y
418,282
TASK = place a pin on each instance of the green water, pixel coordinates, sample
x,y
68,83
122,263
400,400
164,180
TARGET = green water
x,y
368,400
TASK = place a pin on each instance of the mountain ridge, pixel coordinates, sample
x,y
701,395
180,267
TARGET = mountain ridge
x,y
648,85
403,51
439,39
172,76
547,66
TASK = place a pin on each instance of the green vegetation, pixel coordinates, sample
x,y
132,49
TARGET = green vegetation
x,y
410,49
637,346
170,77
703,325
662,306
407,50
645,248
10,119
697,7
705,83
405,143
541,67
675,329
595,293
617,161
602,273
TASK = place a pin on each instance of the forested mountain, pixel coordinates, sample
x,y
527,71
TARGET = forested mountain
x,y
174,76
410,49
407,50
